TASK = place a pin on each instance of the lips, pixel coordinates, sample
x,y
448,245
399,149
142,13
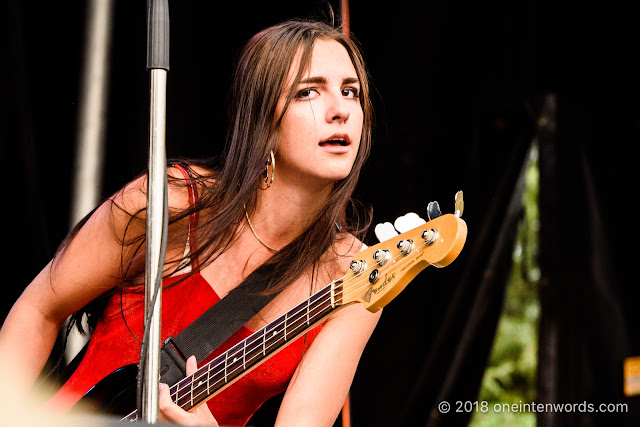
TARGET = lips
x,y
337,140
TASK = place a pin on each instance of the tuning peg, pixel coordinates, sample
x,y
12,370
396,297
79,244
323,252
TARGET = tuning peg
x,y
433,210
385,231
408,222
459,204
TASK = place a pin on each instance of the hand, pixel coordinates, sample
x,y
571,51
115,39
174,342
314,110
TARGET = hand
x,y
170,412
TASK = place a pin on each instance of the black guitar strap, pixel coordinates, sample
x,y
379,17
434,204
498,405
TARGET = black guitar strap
x,y
214,326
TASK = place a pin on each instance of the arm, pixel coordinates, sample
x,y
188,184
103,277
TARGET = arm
x,y
86,267
322,380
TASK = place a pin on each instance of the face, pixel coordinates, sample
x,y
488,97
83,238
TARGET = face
x,y
320,132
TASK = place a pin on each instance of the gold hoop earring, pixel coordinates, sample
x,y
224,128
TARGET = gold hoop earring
x,y
271,161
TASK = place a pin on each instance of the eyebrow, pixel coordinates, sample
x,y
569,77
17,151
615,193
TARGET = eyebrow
x,y
322,80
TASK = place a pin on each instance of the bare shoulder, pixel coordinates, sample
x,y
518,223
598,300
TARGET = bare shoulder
x,y
344,249
126,208
334,264
179,184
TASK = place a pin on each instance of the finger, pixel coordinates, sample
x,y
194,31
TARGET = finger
x,y
168,409
192,365
164,402
170,412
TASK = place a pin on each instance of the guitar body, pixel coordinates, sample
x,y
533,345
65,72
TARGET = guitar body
x,y
115,394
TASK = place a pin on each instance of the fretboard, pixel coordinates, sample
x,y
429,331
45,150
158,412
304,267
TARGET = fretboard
x,y
237,361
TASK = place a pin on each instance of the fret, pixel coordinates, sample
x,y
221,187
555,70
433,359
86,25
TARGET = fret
x,y
325,300
244,356
251,351
201,389
253,345
184,393
208,377
285,326
226,357
277,335
173,391
235,367
233,355
218,377
333,298
264,342
298,323
191,389
259,345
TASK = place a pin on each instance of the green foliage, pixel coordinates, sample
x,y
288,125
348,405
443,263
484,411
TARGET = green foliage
x,y
510,376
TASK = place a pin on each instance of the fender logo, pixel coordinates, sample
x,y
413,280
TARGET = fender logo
x,y
385,282
380,287
367,295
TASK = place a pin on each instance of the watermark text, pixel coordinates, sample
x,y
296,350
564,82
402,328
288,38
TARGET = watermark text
x,y
484,406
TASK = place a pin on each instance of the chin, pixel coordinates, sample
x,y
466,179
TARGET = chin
x,y
339,177
337,171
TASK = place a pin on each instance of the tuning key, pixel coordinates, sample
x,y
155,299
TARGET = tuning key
x,y
381,256
430,236
358,267
408,222
405,246
433,210
385,231
459,204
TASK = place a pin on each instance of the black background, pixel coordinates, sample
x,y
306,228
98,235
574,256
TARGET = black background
x,y
459,90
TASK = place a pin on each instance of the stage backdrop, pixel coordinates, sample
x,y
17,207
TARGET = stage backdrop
x,y
459,92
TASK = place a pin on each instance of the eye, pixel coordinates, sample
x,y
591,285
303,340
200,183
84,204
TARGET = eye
x,y
351,92
307,93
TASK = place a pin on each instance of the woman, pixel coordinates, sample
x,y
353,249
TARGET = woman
x,y
301,103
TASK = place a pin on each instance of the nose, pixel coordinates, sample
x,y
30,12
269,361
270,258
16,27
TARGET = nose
x,y
337,108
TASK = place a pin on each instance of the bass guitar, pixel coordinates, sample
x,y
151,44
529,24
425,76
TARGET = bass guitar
x,y
377,275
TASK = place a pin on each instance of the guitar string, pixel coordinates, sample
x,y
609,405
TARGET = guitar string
x,y
189,386
234,370
301,312
271,341
206,392
202,371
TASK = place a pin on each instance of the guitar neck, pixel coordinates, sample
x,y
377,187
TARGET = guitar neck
x,y
240,359
393,263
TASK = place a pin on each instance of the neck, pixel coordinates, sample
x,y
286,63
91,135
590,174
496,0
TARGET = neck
x,y
284,211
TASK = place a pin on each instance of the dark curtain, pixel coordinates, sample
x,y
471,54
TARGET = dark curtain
x,y
589,319
459,91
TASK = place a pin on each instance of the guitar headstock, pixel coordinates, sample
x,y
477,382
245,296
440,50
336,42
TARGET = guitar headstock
x,y
379,273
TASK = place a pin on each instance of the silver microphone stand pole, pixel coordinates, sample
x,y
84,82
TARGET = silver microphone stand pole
x,y
157,208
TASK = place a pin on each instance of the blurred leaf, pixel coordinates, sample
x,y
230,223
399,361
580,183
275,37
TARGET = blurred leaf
x,y
511,373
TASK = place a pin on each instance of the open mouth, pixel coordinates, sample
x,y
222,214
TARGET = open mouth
x,y
334,142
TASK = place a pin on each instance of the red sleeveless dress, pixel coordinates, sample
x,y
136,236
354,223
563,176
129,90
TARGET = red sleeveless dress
x,y
113,346
115,343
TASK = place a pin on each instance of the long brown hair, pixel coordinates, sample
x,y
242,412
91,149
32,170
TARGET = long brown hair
x,y
259,80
